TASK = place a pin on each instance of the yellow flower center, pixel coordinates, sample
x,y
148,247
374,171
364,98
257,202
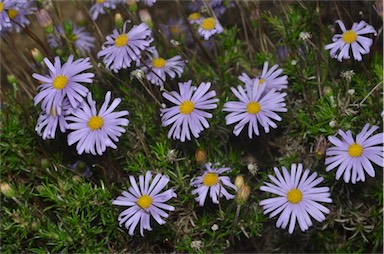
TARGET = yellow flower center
x,y
100,1
253,107
194,16
175,29
51,112
355,150
12,13
144,201
1,6
210,179
121,40
159,62
73,37
294,196
95,122
60,82
261,81
208,24
187,107
349,36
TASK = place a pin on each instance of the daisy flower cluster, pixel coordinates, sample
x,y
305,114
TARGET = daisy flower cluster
x,y
67,104
147,200
259,102
62,100
206,26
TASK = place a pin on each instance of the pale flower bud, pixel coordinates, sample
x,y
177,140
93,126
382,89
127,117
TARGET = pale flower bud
x,y
7,190
243,194
119,21
146,17
239,182
200,155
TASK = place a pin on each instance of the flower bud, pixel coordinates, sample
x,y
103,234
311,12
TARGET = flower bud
x,y
37,56
243,194
146,17
11,79
239,182
321,145
200,155
333,123
132,5
45,20
119,21
7,190
81,20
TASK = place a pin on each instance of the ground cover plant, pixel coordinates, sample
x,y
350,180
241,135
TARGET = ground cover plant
x,y
191,126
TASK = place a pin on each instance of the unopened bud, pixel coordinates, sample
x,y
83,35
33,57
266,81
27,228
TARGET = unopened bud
x,y
243,194
76,179
239,181
80,18
200,155
321,145
119,21
332,123
11,79
45,20
44,163
132,5
328,90
146,17
37,56
7,190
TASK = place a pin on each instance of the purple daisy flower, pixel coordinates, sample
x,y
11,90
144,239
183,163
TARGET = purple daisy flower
x,y
195,18
100,6
188,115
94,131
209,27
149,3
63,81
352,158
5,6
159,67
269,78
298,198
145,202
82,39
255,107
121,49
18,14
49,122
351,39
212,181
